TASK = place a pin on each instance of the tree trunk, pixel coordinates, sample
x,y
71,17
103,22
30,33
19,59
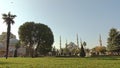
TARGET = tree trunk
x,y
30,50
7,42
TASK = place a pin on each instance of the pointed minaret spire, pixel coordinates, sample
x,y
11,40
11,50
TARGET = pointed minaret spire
x,y
66,44
60,42
77,40
100,40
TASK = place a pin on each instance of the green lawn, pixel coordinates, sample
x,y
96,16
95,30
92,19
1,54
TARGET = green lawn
x,y
53,62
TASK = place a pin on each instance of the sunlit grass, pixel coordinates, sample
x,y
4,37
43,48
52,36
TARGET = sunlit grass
x,y
53,62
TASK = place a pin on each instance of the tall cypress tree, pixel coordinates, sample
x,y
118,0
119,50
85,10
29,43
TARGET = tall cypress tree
x,y
82,52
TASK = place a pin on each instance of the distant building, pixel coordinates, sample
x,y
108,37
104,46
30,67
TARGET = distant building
x,y
13,41
72,48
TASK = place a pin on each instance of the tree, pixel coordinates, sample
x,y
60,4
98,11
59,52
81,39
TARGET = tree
x,y
99,50
82,52
16,48
65,51
8,19
39,37
44,38
54,51
113,40
26,35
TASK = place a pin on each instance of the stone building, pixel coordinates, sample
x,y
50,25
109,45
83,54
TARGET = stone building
x,y
12,46
13,41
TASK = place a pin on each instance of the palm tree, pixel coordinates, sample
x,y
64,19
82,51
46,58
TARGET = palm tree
x,y
8,19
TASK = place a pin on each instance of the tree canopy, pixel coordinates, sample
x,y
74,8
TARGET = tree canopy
x,y
38,36
99,49
113,40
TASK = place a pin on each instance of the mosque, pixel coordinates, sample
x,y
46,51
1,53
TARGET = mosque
x,y
13,41
70,48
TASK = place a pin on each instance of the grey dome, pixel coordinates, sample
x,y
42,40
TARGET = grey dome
x,y
13,41
72,46
1,45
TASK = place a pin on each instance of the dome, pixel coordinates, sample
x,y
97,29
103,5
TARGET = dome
x,y
1,45
13,41
72,46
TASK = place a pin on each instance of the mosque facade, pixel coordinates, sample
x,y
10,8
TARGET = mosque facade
x,y
12,46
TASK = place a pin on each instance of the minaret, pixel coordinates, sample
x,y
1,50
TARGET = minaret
x,y
66,44
60,42
100,41
77,40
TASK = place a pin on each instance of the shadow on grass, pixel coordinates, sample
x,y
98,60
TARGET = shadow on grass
x,y
104,58
8,64
93,57
4,63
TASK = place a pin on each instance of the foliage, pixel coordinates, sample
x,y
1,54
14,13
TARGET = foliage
x,y
53,51
87,50
39,37
84,43
8,19
16,48
99,49
44,38
82,52
26,33
113,40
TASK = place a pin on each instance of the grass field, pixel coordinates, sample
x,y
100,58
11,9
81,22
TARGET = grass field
x,y
53,62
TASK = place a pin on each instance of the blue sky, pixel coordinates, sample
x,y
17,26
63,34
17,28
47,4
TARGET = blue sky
x,y
66,18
